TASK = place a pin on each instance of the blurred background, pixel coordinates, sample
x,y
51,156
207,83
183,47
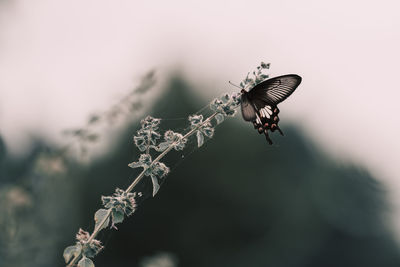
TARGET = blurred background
x,y
76,77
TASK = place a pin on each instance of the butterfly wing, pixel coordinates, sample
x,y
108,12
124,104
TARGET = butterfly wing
x,y
248,111
259,105
275,90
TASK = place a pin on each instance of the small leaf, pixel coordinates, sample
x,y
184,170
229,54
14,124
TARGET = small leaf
x,y
163,146
117,216
265,65
135,165
200,138
208,131
69,252
85,262
195,119
219,118
156,186
160,169
99,217
92,249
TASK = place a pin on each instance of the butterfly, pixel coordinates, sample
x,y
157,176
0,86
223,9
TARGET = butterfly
x,y
259,104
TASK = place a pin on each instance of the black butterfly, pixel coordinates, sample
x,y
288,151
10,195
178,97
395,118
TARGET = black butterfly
x,y
259,104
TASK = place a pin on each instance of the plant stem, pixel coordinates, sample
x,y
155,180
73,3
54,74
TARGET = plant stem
x,y
137,180
148,143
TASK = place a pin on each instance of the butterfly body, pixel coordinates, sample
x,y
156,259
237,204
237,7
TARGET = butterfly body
x,y
259,104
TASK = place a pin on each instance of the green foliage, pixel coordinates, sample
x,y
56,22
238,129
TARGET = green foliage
x,y
117,216
201,128
200,138
226,105
173,139
219,118
123,201
147,138
156,170
257,76
120,203
101,217
71,251
85,262
253,208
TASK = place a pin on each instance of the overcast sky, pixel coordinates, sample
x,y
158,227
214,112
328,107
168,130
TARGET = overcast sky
x,y
82,55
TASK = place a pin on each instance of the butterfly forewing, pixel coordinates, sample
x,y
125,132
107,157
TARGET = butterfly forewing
x,y
275,90
248,111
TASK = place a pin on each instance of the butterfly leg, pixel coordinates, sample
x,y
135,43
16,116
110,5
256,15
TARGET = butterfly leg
x,y
279,129
255,124
267,137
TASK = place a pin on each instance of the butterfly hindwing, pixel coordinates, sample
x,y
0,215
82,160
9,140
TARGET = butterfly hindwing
x,y
275,90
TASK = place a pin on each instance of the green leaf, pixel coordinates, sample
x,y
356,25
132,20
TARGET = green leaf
x,y
136,164
85,262
117,216
89,251
156,186
200,138
99,217
69,252
219,118
163,146
208,131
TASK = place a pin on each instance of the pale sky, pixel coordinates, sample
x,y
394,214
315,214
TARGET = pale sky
x,y
82,55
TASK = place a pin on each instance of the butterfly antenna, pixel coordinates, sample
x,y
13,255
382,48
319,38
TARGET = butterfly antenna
x,y
235,85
